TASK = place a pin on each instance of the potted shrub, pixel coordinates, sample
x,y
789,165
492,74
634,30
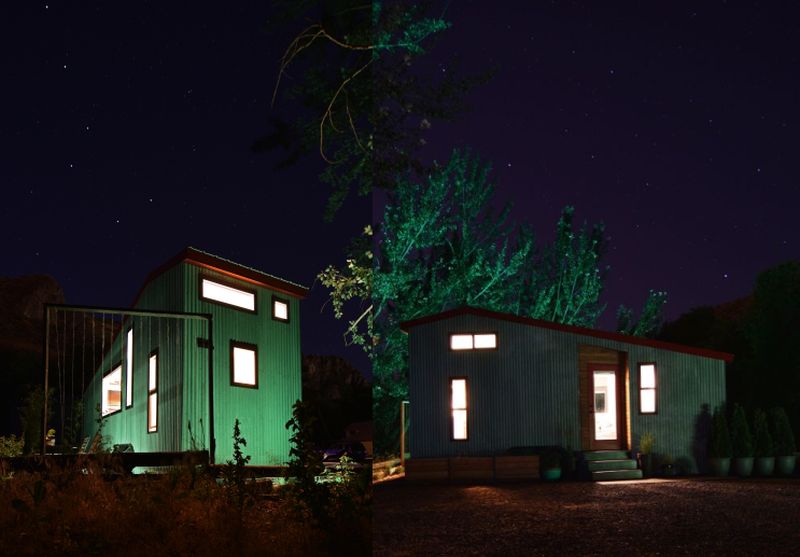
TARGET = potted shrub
x,y
741,442
783,438
719,443
645,457
765,457
550,465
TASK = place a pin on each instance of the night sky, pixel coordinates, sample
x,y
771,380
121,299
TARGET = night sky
x,y
126,134
676,126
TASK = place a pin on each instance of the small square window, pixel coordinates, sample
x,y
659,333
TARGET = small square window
x,y
461,342
244,364
485,341
280,309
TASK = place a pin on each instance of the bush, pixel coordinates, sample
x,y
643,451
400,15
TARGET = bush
x,y
782,433
719,445
741,439
646,442
762,437
11,446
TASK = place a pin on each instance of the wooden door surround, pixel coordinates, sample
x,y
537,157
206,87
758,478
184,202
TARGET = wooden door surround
x,y
591,358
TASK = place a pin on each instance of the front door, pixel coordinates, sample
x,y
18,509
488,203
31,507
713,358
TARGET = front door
x,y
605,414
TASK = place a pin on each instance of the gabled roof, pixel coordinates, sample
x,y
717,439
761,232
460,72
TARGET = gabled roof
x,y
201,258
406,326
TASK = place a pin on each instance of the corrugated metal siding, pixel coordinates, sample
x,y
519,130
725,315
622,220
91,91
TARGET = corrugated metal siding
x,y
527,392
165,334
264,411
183,373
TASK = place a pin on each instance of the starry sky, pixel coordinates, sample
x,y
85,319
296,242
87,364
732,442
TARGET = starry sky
x,y
676,125
126,136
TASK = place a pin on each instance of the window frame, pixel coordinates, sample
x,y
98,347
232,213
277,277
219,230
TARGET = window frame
x,y
473,349
465,408
245,346
288,308
112,369
129,351
229,284
653,388
153,391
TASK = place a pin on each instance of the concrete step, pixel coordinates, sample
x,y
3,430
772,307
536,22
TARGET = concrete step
x,y
605,475
622,464
605,455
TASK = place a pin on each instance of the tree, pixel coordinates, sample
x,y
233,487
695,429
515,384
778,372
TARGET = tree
x,y
441,245
649,322
771,374
365,104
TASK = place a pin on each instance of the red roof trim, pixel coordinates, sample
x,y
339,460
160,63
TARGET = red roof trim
x,y
466,310
234,270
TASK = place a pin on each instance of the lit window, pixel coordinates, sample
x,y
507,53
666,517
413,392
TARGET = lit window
x,y
129,369
460,342
647,388
152,392
458,408
228,295
112,391
244,364
280,309
484,341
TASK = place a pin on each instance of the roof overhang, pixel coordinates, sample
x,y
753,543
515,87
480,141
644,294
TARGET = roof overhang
x,y
194,256
406,326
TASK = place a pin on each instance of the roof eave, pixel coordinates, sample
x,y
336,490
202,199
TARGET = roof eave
x,y
619,337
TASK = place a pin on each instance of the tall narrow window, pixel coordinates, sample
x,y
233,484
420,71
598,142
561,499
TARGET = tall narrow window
x,y
280,309
458,408
648,401
227,295
244,364
129,369
152,392
112,391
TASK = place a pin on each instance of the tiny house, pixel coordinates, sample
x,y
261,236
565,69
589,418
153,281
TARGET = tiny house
x,y
482,382
215,341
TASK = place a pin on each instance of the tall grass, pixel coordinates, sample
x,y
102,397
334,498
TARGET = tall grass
x,y
82,511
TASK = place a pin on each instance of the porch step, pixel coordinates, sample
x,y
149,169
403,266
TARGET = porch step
x,y
603,475
604,465
605,455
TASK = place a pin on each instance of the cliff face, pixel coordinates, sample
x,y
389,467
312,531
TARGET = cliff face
x,y
22,301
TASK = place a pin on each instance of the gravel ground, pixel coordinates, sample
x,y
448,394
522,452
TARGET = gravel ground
x,y
701,516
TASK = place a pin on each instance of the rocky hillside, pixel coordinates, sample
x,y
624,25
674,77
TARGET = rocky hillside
x,y
22,301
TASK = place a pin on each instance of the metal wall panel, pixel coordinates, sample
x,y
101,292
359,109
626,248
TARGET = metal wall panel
x,y
183,421
165,293
527,392
262,412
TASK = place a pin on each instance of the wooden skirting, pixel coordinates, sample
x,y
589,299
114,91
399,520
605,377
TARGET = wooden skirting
x,y
472,468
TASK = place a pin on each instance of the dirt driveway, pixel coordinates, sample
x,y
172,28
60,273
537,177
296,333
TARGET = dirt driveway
x,y
646,517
